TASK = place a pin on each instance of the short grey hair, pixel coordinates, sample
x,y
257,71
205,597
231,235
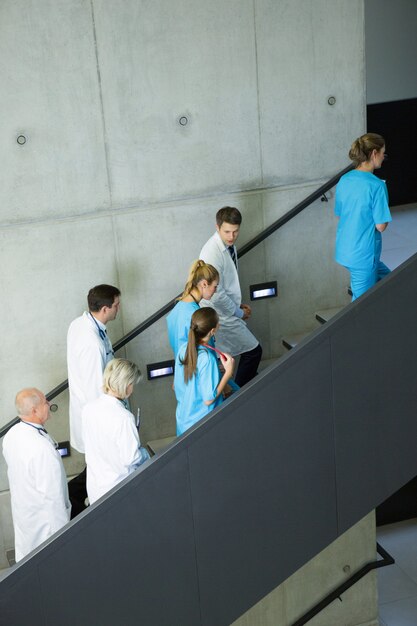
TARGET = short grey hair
x,y
118,375
26,400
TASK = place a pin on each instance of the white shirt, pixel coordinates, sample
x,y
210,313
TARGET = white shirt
x,y
233,335
111,444
38,486
87,355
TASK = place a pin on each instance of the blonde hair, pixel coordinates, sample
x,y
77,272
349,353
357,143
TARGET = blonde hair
x,y
202,322
118,375
199,270
362,148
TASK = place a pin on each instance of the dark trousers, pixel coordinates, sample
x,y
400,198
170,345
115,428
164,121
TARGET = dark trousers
x,y
248,365
77,490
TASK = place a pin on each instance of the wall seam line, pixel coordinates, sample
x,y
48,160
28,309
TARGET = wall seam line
x,y
103,120
144,205
261,160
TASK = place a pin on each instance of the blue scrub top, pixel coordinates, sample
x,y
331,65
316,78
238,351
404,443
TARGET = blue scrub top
x,y
202,387
361,202
178,322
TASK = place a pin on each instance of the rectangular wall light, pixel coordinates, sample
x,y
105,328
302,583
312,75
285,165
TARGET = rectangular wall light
x,y
64,448
161,369
264,290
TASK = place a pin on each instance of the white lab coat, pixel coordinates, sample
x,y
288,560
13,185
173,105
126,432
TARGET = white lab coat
x,y
87,356
233,335
111,442
38,486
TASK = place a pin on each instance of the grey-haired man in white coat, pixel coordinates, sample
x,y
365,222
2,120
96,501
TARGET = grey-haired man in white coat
x,y
233,335
38,484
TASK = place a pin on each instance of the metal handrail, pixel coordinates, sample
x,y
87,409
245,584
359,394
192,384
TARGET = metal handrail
x,y
56,391
387,559
293,212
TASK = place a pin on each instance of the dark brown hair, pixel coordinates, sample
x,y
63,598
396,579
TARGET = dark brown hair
x,y
202,322
228,214
100,296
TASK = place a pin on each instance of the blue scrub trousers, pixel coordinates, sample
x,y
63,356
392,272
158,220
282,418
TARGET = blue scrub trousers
x,y
363,279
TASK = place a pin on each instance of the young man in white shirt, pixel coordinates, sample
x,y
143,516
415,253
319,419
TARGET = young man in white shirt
x,y
233,336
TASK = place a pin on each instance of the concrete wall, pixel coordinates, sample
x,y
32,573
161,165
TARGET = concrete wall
x,y
110,187
391,50
320,576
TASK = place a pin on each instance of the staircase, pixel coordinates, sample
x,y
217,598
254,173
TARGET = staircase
x,y
322,316
242,500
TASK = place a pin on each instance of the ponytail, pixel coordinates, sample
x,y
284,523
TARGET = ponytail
x,y
202,322
199,270
362,148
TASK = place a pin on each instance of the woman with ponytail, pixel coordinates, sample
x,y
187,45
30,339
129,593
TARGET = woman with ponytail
x,y
201,283
362,206
198,383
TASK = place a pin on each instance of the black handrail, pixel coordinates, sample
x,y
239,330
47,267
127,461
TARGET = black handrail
x,y
56,391
387,559
293,212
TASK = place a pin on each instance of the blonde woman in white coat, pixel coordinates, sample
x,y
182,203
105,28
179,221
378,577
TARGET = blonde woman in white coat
x,y
110,434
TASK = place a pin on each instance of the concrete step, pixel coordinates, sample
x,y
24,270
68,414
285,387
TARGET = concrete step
x,y
325,315
266,363
290,341
156,445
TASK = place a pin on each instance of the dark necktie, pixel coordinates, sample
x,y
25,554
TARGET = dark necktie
x,y
232,254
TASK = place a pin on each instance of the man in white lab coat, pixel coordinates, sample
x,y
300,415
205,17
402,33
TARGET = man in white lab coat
x,y
233,335
38,484
89,350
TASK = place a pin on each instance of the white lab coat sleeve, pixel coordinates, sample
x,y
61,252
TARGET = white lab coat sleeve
x,y
128,445
52,488
90,369
211,254
223,304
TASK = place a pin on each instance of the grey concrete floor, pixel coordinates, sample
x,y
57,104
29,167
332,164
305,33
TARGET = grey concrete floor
x,y
397,584
399,241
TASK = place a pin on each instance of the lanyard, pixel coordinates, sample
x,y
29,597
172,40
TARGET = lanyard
x,y
206,345
101,332
103,337
43,433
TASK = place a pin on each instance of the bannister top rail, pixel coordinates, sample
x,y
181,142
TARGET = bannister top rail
x,y
292,212
56,391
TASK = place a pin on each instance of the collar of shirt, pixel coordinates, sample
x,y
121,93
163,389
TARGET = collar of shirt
x,y
38,426
100,324
222,246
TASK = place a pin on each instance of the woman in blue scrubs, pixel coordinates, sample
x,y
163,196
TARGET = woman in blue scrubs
x,y
201,283
198,383
362,206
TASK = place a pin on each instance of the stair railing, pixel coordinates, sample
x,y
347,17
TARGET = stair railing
x,y
247,247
